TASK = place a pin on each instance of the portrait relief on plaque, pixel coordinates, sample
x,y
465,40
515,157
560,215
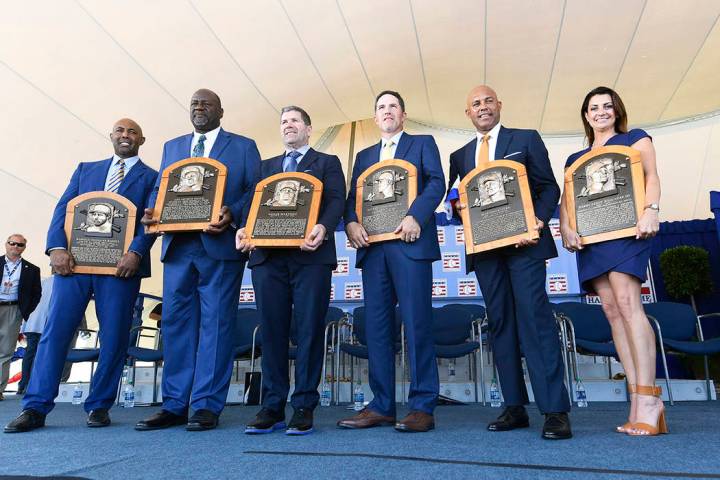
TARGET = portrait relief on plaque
x,y
385,192
604,193
190,180
288,194
491,190
99,220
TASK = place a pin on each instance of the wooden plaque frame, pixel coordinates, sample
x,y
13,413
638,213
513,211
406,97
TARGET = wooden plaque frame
x,y
129,231
638,184
360,190
314,210
162,192
526,199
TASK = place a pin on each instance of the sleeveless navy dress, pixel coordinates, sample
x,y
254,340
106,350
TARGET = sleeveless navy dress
x,y
627,255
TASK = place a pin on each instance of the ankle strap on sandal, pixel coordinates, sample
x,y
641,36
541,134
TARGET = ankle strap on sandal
x,y
653,390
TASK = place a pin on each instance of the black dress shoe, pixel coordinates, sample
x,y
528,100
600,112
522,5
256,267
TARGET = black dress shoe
x,y
511,418
162,419
28,420
201,420
301,422
266,421
557,426
100,417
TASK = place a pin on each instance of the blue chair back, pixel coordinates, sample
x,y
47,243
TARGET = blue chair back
x,y
334,314
358,321
245,322
677,320
477,310
589,321
451,325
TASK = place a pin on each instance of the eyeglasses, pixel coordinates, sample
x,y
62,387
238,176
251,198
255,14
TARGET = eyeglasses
x,y
16,244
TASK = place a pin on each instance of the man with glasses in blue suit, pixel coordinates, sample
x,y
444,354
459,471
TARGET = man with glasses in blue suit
x,y
126,175
202,276
399,271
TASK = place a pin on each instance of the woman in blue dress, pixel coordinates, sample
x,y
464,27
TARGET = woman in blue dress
x,y
615,269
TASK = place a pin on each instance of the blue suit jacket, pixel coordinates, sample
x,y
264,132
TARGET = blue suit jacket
x,y
90,177
526,147
327,168
421,151
242,159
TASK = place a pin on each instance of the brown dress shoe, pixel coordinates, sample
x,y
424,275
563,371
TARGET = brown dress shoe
x,y
416,422
366,419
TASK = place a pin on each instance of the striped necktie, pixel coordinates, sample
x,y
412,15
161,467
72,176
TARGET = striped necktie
x,y
117,177
199,150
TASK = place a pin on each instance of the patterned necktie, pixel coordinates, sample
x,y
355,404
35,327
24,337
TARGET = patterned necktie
x,y
387,152
199,150
292,163
484,152
117,177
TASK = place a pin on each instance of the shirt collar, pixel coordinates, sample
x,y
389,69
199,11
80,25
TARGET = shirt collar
x,y
493,133
303,150
395,139
209,136
9,262
129,162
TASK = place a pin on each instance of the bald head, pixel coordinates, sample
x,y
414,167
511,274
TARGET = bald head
x,y
205,110
126,137
483,108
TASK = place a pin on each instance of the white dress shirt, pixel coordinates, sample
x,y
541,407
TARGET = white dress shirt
x,y
10,295
210,138
492,143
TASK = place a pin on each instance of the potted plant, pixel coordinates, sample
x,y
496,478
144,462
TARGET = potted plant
x,y
686,272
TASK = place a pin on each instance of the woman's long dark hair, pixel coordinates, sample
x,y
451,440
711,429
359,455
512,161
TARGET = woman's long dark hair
x,y
618,106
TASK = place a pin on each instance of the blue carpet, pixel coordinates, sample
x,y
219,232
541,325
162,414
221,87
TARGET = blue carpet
x,y
460,447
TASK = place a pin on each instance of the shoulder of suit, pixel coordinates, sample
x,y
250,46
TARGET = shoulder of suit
x,y
30,264
521,131
178,139
460,150
236,137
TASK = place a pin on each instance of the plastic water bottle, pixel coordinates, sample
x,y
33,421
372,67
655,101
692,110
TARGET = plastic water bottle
x,y
325,394
129,395
451,371
495,400
77,395
580,394
358,398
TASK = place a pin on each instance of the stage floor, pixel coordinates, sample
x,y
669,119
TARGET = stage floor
x,y
460,447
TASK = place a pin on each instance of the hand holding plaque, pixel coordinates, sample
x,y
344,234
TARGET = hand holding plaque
x,y
498,207
284,210
190,196
99,227
605,193
384,195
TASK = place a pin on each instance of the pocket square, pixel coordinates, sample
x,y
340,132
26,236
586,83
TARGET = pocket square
x,y
510,155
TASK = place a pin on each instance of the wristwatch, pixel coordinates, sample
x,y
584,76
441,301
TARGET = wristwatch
x,y
653,206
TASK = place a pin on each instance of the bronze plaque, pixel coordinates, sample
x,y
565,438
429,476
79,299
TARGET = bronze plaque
x,y
499,210
284,210
190,195
99,227
605,193
384,193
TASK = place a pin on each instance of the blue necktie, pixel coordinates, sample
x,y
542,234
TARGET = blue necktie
x,y
292,162
199,150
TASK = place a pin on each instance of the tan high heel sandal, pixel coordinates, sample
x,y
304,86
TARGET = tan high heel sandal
x,y
625,428
645,429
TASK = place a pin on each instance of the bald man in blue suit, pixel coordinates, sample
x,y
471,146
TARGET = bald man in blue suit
x,y
114,295
399,271
202,276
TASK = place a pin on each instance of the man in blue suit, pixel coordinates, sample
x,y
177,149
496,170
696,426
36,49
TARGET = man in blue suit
x,y
512,279
399,271
295,283
201,277
115,296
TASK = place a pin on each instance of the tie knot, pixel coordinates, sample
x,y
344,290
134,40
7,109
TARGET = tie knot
x,y
202,137
389,144
121,162
294,154
486,137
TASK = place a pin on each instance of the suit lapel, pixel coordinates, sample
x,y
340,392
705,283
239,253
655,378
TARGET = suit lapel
x,y
307,160
403,145
276,164
185,144
137,169
221,142
470,156
502,143
99,180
